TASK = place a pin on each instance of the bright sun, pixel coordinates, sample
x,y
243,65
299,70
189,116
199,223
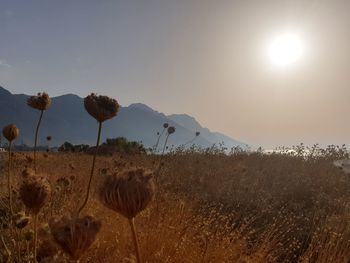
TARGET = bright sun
x,y
285,49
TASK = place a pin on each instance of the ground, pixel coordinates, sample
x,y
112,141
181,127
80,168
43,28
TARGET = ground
x,y
208,207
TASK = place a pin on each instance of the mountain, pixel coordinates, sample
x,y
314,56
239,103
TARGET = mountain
x,y
215,137
67,120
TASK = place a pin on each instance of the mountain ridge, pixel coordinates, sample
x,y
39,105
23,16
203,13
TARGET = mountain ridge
x,y
67,120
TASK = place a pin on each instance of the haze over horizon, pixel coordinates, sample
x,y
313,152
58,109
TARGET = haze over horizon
x,y
205,58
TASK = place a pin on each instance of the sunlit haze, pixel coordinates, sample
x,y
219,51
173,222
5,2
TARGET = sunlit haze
x,y
286,49
268,73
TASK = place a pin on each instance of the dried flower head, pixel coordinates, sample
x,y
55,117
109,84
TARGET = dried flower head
x,y
101,107
10,132
46,251
165,125
41,101
197,133
29,159
129,193
48,138
28,235
171,130
21,220
75,235
34,191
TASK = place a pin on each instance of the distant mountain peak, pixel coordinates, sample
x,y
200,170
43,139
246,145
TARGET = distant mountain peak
x,y
67,120
141,106
4,91
186,121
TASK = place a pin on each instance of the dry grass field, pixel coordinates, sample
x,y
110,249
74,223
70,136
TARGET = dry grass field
x,y
208,207
174,206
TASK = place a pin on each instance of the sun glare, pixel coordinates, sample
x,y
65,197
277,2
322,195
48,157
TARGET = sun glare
x,y
285,49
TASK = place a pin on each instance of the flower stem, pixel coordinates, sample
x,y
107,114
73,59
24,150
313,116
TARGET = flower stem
x,y
35,235
158,139
92,169
134,237
36,137
157,171
166,141
9,185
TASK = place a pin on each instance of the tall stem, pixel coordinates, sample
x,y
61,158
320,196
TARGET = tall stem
x,y
35,235
166,141
190,141
161,157
36,137
156,146
9,185
92,168
134,237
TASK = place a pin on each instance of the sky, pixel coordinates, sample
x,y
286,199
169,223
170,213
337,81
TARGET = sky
x,y
204,58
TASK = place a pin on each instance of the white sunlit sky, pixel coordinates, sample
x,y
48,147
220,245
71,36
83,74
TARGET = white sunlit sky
x,y
268,73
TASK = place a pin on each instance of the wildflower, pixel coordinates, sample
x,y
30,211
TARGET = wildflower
x,y
171,130
21,220
101,107
128,194
10,132
34,191
75,234
41,101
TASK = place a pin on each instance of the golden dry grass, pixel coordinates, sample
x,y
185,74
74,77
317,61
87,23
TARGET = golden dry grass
x,y
209,207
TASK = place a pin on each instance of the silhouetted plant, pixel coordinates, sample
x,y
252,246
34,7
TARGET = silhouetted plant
x,y
165,126
101,108
10,132
192,140
75,234
129,194
41,102
34,192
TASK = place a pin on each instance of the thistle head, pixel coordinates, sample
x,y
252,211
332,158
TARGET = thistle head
x,y
101,107
129,193
10,132
75,234
34,191
171,130
165,125
41,101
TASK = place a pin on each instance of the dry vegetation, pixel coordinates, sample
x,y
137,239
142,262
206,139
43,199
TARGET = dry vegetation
x,y
207,207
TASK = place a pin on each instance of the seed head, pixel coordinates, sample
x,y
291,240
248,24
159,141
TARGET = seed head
x,y
165,125
129,193
101,107
41,101
75,235
171,130
28,235
34,191
21,220
10,132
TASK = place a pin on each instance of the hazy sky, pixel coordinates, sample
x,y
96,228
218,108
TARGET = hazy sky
x,y
206,58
